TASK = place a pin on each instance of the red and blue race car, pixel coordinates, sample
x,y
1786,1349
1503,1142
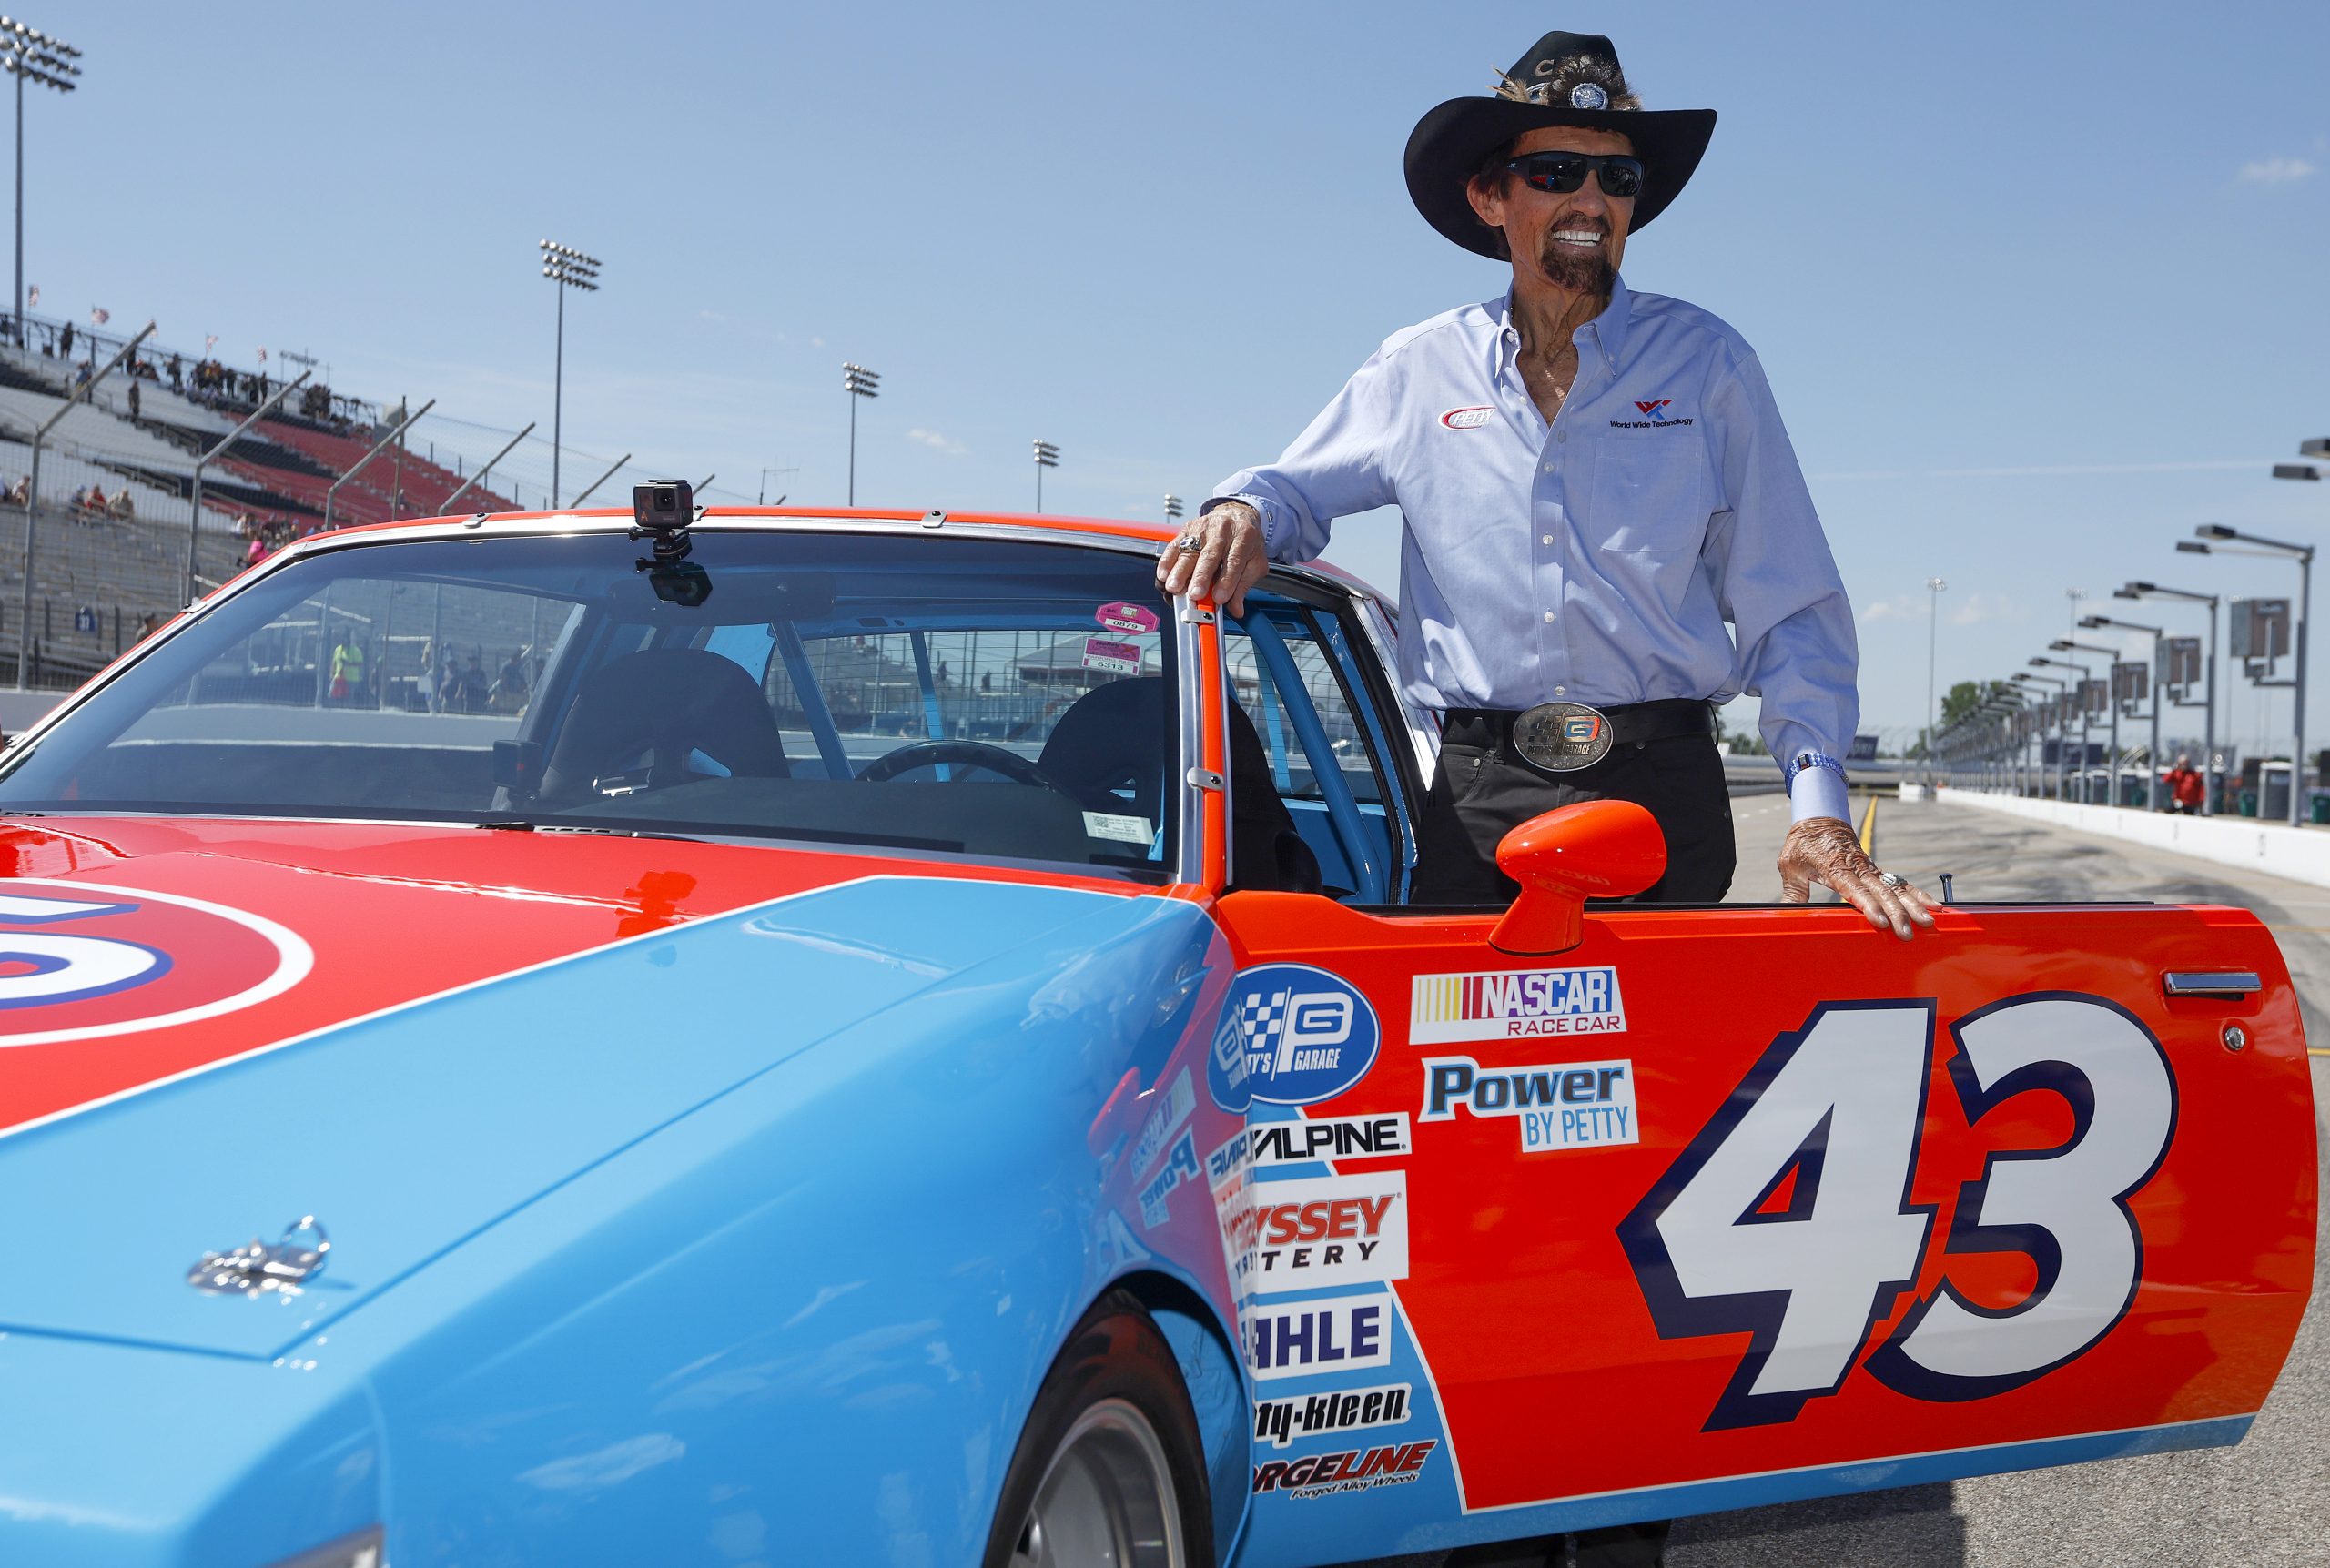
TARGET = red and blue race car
x,y
874,1037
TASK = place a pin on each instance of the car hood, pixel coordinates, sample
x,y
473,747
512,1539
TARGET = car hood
x,y
209,1030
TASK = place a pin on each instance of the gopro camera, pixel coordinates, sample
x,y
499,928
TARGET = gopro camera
x,y
662,506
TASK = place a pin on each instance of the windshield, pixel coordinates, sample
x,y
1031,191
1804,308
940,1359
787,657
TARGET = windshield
x,y
948,696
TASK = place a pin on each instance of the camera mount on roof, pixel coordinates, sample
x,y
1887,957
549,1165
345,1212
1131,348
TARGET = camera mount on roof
x,y
663,511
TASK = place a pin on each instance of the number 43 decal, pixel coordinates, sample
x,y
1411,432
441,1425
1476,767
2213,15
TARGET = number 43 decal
x,y
1840,1106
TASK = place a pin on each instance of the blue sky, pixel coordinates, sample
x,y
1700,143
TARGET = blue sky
x,y
2039,287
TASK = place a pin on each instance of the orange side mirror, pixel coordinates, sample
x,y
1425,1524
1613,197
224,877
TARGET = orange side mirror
x,y
1595,849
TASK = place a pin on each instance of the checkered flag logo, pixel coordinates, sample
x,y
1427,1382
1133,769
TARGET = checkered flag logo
x,y
1262,1018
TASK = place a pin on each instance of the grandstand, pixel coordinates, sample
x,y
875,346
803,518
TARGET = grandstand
x,y
98,577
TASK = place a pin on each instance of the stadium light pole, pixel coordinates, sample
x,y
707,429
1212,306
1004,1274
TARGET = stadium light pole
x,y
32,493
2065,645
566,268
2152,801
193,523
30,54
858,382
1047,457
2081,688
1934,585
1173,507
2212,538
2141,590
2062,751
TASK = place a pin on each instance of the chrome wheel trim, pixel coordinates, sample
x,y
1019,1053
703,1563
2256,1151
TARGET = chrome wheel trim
x,y
1107,1499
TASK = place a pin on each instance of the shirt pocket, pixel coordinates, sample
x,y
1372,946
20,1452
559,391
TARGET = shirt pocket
x,y
1652,491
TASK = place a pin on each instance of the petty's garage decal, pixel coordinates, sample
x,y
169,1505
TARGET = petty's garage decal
x,y
1290,1034
79,963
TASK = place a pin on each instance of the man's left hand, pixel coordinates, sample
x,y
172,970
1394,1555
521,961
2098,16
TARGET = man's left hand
x,y
1825,849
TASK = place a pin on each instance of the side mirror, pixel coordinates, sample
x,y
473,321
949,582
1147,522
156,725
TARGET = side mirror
x,y
1595,849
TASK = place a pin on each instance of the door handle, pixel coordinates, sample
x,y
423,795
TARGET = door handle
x,y
2229,985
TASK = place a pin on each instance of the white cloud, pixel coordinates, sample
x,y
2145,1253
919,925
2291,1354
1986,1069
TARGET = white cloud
x,y
2275,171
1975,608
1900,607
937,442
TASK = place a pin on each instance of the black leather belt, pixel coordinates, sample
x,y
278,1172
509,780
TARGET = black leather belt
x,y
1634,724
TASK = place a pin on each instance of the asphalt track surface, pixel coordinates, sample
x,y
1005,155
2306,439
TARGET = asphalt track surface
x,y
2266,1502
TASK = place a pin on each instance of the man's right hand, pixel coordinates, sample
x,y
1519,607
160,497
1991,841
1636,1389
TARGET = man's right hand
x,y
1229,559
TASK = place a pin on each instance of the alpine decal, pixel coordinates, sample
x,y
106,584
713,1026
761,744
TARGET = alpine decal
x,y
1513,1004
80,962
1290,1034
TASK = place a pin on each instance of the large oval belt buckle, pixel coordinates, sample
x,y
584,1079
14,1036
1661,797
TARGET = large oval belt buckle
x,y
1562,737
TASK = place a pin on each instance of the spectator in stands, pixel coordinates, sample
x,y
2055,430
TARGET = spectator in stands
x,y
136,412
177,384
19,491
245,527
148,623
123,510
64,341
347,668
256,550
453,692
93,501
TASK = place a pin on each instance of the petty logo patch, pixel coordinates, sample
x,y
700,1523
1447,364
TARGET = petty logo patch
x,y
1466,419
1290,1034
80,962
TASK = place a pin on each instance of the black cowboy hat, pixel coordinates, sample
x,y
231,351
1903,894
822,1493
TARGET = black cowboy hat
x,y
1565,79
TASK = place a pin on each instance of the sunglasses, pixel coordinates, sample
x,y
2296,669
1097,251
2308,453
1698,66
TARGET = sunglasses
x,y
1562,172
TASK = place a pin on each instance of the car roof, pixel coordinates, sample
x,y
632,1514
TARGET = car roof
x,y
1090,527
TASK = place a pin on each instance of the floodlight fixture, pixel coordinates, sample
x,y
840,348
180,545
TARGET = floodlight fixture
x,y
2297,470
858,382
566,268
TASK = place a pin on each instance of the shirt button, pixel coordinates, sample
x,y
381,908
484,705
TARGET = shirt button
x,y
1561,690
1549,615
1549,467
1546,539
1561,435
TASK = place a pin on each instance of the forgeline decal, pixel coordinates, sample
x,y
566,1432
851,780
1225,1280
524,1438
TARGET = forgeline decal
x,y
1316,1139
1280,1422
1180,1100
1320,1231
1182,1163
1513,1003
1290,1034
1329,1334
1564,1105
1355,1470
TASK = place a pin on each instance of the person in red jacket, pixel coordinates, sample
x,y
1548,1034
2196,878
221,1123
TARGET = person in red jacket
x,y
2185,785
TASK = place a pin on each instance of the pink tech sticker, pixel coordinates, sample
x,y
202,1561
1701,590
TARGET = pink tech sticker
x,y
1114,658
1122,617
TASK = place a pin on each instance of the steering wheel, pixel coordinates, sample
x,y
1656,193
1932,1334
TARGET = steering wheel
x,y
970,753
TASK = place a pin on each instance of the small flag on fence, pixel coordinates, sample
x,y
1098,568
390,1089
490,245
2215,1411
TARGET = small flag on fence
x,y
262,356
100,315
32,295
210,342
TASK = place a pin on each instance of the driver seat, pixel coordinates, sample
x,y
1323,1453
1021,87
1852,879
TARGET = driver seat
x,y
666,704
1114,737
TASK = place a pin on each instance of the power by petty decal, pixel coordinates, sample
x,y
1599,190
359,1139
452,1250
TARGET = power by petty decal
x,y
1290,1034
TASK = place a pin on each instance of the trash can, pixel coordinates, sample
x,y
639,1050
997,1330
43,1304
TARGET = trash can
x,y
2249,802
2318,809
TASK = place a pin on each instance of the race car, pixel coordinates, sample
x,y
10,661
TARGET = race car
x,y
873,1037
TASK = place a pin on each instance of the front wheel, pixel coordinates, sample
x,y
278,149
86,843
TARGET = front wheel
x,y
1109,1472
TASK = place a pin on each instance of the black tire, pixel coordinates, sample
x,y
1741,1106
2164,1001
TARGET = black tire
x,y
1114,1358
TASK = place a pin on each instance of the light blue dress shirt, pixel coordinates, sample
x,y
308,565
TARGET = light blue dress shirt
x,y
1597,558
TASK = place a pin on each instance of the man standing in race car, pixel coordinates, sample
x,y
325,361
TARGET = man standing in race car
x,y
1594,482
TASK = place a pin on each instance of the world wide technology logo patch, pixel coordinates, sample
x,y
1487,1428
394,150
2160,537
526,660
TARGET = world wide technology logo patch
x,y
1290,1034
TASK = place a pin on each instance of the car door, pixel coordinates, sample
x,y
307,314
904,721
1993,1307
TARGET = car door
x,y
1716,1207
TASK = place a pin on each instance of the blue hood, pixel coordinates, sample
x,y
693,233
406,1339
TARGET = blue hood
x,y
407,1133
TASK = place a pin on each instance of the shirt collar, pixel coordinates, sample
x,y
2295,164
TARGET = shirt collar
x,y
1608,330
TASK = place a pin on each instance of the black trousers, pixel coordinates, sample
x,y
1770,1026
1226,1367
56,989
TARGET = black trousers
x,y
1479,794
